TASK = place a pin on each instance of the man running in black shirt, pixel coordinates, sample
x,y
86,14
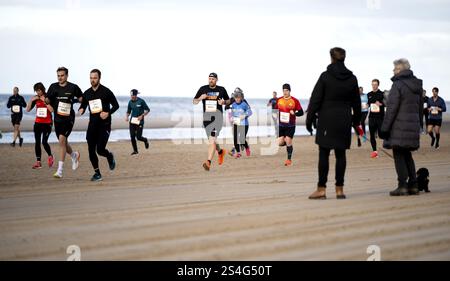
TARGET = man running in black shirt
x,y
16,102
376,115
102,104
213,98
61,96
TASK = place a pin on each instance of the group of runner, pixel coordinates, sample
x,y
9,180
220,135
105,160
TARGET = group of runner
x,y
56,106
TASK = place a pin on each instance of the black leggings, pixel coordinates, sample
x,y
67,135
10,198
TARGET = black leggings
x,y
44,131
240,137
136,133
97,138
405,167
341,163
374,128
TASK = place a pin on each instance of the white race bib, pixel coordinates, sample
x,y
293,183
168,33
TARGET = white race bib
x,y
434,110
364,105
41,112
284,117
95,106
237,120
64,108
135,121
374,108
425,105
16,108
210,106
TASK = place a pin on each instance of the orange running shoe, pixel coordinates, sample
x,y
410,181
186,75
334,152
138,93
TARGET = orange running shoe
x,y
207,165
288,162
374,154
222,156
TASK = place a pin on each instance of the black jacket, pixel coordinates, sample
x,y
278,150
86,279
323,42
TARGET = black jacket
x,y
404,112
334,97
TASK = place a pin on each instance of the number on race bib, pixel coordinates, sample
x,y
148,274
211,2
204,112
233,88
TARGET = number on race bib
x,y
135,121
237,120
374,108
284,117
64,108
41,112
434,110
16,108
210,106
95,106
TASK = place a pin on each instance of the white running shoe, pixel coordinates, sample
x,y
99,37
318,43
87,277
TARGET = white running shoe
x,y
58,175
75,160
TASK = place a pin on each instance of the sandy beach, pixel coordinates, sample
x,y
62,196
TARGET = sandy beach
x,y
161,205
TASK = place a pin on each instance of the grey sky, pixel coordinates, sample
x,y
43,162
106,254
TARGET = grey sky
x,y
169,47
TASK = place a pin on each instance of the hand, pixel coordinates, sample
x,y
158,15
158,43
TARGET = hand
x,y
439,109
378,103
47,101
81,111
221,102
104,115
202,97
126,119
385,135
309,127
292,112
140,117
35,98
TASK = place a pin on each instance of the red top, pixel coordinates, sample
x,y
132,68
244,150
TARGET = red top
x,y
43,115
285,106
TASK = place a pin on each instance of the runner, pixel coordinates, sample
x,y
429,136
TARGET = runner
x,y
240,112
425,112
213,98
436,105
288,107
102,104
61,96
273,103
16,102
376,115
42,125
229,113
364,113
138,109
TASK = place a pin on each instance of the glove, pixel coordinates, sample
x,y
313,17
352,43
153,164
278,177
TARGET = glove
x,y
309,127
385,135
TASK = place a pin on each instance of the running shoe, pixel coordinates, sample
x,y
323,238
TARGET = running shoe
x,y
288,162
222,156
96,177
247,151
374,154
50,161
37,165
75,160
207,165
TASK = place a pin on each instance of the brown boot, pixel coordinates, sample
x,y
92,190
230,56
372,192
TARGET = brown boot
x,y
318,194
340,192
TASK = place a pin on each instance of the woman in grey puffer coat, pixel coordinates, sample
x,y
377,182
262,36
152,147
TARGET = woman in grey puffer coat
x,y
401,125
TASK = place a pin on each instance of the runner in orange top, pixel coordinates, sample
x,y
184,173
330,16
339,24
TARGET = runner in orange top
x,y
288,110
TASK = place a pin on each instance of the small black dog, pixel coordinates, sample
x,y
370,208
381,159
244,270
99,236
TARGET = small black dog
x,y
423,179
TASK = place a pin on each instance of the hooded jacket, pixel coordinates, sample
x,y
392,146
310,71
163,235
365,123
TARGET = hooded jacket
x,y
404,112
334,97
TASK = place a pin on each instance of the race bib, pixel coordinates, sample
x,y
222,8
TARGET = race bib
x,y
374,108
364,105
237,120
64,108
95,106
41,112
16,108
434,110
425,106
284,117
210,106
135,121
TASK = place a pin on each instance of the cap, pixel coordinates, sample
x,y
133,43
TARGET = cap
x,y
134,92
213,75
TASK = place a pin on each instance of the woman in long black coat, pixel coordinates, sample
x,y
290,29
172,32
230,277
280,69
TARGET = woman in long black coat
x,y
401,125
334,97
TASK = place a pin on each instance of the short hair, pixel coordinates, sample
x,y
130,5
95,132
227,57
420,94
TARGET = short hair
x,y
436,89
95,70
62,68
403,62
337,54
39,86
376,80
361,88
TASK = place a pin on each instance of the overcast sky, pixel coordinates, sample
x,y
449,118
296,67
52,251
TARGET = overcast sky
x,y
168,48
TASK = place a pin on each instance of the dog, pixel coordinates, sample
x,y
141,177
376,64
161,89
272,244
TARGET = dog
x,y
423,179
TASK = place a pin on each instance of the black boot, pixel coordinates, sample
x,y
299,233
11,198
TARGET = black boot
x,y
413,189
400,191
